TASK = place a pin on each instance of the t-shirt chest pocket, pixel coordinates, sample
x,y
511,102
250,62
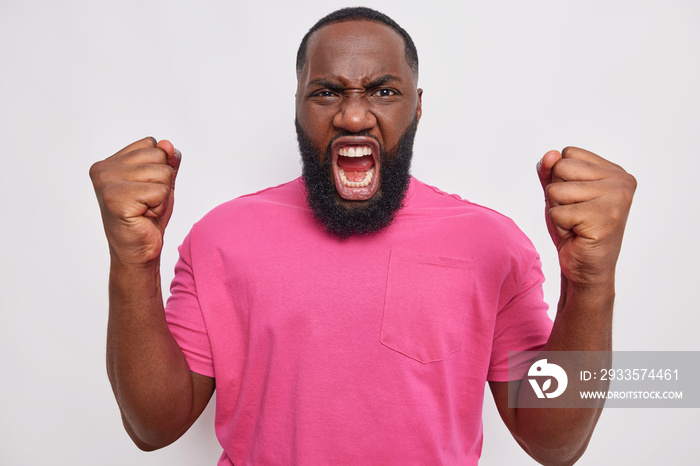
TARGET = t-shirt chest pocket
x,y
427,298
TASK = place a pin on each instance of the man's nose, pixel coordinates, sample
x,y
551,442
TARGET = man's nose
x,y
354,115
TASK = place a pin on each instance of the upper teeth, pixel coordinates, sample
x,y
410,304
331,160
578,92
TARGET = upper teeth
x,y
355,151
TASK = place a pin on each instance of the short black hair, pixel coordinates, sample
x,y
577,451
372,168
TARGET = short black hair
x,y
359,14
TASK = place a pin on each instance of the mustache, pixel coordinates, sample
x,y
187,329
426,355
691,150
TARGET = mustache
x,y
303,137
350,133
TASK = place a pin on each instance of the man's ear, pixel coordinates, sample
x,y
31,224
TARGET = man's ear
x,y
419,107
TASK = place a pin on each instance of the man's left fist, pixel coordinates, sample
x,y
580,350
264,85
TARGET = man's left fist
x,y
587,201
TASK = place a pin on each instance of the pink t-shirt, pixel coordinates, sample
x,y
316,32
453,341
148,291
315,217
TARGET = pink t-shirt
x,y
369,350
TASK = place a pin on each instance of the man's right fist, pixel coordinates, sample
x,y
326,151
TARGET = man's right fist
x,y
135,190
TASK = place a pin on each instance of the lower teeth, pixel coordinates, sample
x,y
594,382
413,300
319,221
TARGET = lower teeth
x,y
357,184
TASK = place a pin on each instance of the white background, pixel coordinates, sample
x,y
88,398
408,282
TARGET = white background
x,y
504,82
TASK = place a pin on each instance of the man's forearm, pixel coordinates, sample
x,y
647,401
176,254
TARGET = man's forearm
x,y
583,323
584,317
148,372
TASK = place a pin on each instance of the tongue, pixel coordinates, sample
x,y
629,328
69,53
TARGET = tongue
x,y
356,164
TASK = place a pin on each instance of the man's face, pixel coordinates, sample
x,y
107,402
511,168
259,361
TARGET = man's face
x,y
356,97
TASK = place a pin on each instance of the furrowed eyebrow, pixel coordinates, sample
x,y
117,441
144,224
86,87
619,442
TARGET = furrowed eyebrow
x,y
330,85
382,80
335,87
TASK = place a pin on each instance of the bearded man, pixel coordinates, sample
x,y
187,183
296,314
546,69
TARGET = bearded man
x,y
352,316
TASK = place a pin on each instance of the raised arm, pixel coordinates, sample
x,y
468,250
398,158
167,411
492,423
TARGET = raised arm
x,y
158,396
587,203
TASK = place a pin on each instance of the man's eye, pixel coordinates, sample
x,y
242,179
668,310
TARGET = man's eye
x,y
323,94
384,93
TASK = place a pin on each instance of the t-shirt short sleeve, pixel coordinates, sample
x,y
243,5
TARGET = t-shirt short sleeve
x,y
184,315
522,324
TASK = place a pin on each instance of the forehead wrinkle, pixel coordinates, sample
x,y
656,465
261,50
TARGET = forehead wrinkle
x,y
335,49
354,64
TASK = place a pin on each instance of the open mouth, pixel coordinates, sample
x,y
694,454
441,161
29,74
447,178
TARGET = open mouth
x,y
356,167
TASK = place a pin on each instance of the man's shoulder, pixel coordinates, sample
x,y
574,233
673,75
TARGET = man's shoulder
x,y
496,236
429,197
289,193
266,202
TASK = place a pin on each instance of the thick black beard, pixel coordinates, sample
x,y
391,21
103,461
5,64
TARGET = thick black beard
x,y
347,218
